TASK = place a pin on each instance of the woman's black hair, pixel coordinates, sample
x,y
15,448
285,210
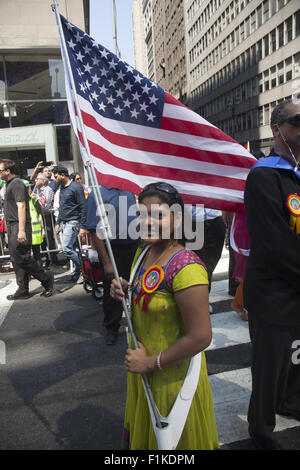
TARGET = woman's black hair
x,y
169,195
73,175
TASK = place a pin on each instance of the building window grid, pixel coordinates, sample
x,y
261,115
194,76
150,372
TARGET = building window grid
x,y
264,47
250,119
270,78
259,16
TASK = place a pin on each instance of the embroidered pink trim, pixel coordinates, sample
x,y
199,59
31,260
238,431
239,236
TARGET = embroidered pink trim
x,y
179,261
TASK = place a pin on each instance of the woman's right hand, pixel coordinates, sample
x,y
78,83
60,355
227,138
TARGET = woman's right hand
x,y
116,292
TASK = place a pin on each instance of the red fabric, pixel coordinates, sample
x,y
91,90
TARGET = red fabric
x,y
2,226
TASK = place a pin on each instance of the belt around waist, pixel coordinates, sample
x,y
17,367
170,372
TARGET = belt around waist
x,y
71,220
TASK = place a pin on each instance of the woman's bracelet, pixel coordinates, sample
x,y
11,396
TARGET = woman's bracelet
x,y
158,361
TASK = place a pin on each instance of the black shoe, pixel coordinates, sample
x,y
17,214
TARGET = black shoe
x,y
111,337
48,286
264,443
18,295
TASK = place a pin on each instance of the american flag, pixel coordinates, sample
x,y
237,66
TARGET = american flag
x,y
138,134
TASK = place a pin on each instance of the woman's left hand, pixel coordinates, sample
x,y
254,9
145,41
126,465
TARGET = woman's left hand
x,y
137,360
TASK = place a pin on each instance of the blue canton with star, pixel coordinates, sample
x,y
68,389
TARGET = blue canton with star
x,y
115,89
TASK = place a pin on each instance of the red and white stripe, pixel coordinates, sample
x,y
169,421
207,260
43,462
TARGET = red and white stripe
x,y
204,164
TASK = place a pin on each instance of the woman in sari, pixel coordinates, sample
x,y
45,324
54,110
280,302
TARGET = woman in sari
x,y
171,321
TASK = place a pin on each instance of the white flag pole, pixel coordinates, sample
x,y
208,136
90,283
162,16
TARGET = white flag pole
x,y
99,203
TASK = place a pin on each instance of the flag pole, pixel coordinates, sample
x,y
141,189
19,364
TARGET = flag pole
x,y
100,206
113,8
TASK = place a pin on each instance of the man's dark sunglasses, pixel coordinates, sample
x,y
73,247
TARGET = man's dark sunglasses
x,y
293,120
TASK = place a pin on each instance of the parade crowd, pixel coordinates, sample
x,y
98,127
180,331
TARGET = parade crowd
x,y
169,285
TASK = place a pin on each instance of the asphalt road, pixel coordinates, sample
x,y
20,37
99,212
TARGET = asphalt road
x,y
61,386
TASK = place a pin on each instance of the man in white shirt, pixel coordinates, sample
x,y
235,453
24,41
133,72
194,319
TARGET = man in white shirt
x,y
214,235
46,198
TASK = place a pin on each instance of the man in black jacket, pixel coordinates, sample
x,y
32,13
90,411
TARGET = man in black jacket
x,y
72,216
272,281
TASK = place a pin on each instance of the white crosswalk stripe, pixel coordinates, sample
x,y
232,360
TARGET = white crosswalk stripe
x,y
231,389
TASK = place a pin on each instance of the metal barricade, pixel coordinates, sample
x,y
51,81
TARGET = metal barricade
x,y
52,238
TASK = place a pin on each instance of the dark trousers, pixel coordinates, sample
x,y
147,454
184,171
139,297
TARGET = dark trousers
x,y
36,252
232,282
49,242
275,378
123,254
23,263
211,252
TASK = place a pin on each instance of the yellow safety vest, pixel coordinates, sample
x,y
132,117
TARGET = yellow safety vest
x,y
36,227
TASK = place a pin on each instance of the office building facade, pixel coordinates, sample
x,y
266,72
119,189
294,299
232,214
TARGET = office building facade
x,y
169,47
243,59
34,118
164,39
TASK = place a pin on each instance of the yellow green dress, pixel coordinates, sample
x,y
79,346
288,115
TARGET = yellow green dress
x,y
157,329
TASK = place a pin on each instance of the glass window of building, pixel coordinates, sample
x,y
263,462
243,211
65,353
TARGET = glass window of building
x,y
266,45
260,83
298,23
2,79
242,32
272,106
34,77
32,92
280,73
255,117
249,89
266,80
254,86
266,114
253,54
253,22
259,16
29,113
273,40
259,49
296,68
289,29
249,120
260,116
288,69
273,7
281,35
273,76
266,10
247,27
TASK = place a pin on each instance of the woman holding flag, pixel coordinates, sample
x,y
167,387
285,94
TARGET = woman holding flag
x,y
170,315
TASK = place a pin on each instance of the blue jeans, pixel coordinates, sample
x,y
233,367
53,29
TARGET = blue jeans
x,y
70,232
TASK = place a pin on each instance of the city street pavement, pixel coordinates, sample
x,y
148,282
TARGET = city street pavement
x,y
62,388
